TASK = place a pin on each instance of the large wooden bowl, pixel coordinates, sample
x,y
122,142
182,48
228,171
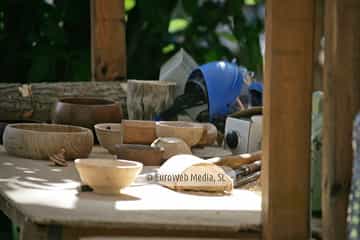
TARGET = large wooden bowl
x,y
190,132
86,112
107,176
40,140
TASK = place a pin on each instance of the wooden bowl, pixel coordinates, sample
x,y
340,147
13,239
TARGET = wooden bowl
x,y
109,134
149,156
107,176
4,123
86,112
190,132
172,146
41,140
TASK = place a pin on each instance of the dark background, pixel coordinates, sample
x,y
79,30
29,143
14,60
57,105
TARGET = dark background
x,y
49,40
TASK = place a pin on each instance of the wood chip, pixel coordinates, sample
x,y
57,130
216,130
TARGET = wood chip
x,y
58,159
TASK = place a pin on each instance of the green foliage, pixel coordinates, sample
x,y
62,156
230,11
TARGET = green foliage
x,y
49,40
44,42
157,29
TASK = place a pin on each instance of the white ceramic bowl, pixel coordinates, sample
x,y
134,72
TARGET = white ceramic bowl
x,y
107,176
109,134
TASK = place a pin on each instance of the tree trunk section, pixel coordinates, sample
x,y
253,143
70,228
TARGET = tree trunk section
x,y
146,99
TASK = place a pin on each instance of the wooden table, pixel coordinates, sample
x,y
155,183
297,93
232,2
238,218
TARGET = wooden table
x,y
44,201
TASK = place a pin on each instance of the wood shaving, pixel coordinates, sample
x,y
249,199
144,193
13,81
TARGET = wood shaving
x,y
58,159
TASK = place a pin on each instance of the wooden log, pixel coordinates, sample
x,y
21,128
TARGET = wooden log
x,y
35,101
287,114
146,99
108,55
341,102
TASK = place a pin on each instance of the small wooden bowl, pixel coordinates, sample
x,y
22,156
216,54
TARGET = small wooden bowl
x,y
40,140
109,134
149,156
107,176
172,146
190,132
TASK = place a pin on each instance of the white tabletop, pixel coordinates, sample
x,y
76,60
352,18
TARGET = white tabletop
x,y
49,195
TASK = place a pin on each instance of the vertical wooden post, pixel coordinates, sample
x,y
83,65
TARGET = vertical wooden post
x,y
108,49
341,102
319,33
287,115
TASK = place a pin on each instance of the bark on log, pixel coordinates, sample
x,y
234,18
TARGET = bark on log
x,y
145,99
35,101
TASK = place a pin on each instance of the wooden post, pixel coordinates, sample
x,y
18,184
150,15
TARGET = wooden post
x,y
341,102
108,49
287,115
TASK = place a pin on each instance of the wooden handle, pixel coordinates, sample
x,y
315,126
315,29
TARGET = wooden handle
x,y
237,160
248,169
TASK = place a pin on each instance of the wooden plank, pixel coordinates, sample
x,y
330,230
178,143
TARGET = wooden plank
x,y
30,231
169,238
108,55
33,188
287,114
318,35
341,103
38,104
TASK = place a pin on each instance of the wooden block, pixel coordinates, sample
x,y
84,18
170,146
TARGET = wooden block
x,y
138,132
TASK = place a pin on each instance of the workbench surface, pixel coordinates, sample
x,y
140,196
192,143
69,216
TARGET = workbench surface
x,y
48,195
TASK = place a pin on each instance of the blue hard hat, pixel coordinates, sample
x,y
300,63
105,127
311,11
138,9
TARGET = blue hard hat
x,y
223,82
256,86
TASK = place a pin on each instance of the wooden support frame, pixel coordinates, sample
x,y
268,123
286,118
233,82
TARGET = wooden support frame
x,y
108,47
287,110
341,103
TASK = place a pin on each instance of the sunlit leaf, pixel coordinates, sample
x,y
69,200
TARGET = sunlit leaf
x,y
129,4
177,25
250,2
168,48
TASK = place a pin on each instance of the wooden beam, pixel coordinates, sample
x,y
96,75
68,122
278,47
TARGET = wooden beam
x,y
287,114
108,48
341,103
318,35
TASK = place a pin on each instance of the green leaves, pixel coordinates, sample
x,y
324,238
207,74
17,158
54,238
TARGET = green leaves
x,y
45,41
49,40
